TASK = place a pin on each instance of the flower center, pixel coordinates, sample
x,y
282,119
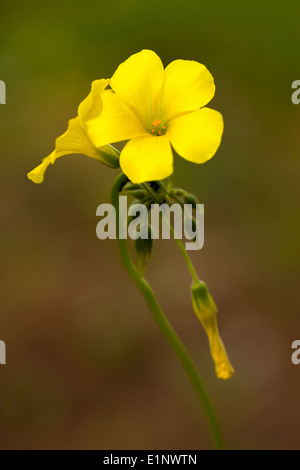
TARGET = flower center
x,y
157,128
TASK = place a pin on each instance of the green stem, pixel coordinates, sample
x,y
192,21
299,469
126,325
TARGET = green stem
x,y
152,193
180,245
164,325
185,255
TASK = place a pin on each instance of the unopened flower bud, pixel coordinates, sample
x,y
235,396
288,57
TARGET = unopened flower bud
x,y
206,311
144,250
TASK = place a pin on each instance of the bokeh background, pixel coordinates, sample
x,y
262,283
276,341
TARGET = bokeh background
x,y
86,365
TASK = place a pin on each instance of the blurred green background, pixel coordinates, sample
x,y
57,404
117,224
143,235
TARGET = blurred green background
x,y
86,365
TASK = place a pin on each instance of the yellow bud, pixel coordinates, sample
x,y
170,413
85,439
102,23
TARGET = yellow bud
x,y
206,311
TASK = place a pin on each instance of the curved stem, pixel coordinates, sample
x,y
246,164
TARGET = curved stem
x,y
185,255
164,325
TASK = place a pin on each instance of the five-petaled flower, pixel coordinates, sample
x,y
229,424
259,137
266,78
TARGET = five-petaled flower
x,y
152,108
157,109
76,139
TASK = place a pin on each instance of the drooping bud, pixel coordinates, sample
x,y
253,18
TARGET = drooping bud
x,y
178,192
191,199
206,311
144,250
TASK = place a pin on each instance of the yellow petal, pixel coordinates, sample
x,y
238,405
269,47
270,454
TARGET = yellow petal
x,y
188,86
206,311
116,122
37,174
196,136
147,158
138,81
91,106
75,141
224,369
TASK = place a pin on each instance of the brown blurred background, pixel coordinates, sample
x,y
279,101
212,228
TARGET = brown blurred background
x,y
86,365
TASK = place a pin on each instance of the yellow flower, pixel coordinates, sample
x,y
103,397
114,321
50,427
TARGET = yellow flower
x,y
155,109
76,139
206,311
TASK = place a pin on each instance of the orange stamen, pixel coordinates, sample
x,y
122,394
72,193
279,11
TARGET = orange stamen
x,y
157,128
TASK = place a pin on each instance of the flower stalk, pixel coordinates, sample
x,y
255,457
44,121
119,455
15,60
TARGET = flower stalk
x,y
166,328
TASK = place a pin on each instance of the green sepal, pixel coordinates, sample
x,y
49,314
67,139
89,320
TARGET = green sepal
x,y
178,192
112,159
190,199
138,194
